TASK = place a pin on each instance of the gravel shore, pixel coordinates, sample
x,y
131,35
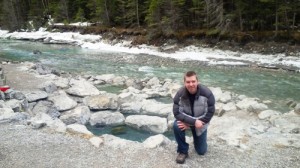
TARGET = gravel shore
x,y
21,146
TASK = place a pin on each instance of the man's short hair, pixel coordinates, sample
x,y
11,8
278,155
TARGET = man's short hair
x,y
189,74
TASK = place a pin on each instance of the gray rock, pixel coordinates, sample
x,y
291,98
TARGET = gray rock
x,y
42,107
156,141
35,95
19,95
82,88
297,108
152,124
79,115
102,102
50,87
103,118
78,129
62,101
267,114
53,112
152,107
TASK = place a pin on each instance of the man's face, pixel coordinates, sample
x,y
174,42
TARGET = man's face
x,y
191,84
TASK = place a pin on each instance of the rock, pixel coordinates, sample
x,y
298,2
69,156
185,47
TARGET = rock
x,y
78,129
229,107
217,93
285,122
152,82
96,141
152,124
79,115
53,112
18,95
267,114
6,114
50,87
156,141
119,143
101,102
257,107
129,97
38,124
225,97
42,107
62,101
155,92
173,89
134,83
118,130
245,103
108,78
57,125
82,88
297,108
35,95
62,83
14,104
131,108
152,107
103,118
37,52
118,81
42,69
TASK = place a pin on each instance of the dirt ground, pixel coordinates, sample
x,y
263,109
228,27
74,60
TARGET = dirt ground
x,y
21,80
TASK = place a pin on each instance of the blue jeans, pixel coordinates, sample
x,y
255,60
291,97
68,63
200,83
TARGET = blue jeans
x,y
200,143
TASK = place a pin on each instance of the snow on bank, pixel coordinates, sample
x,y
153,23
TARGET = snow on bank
x,y
209,55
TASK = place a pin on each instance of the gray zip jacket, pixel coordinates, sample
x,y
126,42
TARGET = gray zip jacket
x,y
204,107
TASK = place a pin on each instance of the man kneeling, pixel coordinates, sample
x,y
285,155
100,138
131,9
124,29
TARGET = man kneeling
x,y
194,106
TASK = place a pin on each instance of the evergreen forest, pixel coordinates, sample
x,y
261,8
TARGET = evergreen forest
x,y
275,19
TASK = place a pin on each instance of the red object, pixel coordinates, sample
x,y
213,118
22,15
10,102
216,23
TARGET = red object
x,y
4,88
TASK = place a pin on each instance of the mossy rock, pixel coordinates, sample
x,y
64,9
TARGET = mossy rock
x,y
118,130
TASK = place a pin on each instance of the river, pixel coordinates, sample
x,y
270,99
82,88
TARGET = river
x,y
276,86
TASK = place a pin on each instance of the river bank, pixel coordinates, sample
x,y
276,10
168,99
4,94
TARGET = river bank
x,y
265,55
24,147
237,138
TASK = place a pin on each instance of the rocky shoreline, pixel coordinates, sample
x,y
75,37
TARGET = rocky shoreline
x,y
267,55
65,104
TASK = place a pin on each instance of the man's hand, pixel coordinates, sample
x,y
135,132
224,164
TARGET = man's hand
x,y
199,124
182,126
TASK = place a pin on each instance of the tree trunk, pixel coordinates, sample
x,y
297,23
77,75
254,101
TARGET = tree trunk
x,y
137,13
106,12
294,18
241,20
276,20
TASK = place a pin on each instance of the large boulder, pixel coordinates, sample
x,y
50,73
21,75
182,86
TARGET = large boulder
x,y
119,143
152,124
152,107
62,101
78,129
101,102
131,108
35,95
103,118
156,141
79,115
82,88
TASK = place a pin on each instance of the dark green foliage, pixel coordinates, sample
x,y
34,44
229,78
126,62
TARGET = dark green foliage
x,y
162,18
